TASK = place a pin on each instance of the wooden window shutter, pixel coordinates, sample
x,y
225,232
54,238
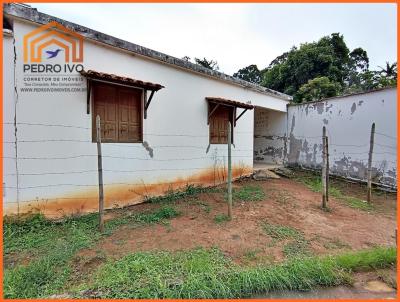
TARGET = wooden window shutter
x,y
219,124
130,117
120,111
105,105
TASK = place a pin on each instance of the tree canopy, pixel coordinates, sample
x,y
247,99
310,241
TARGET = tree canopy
x,y
250,73
321,69
316,89
210,64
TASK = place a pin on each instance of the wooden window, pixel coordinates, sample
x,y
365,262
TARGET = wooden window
x,y
219,123
120,111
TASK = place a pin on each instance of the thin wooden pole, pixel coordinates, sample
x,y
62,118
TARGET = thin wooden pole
x,y
229,170
327,167
371,151
100,171
324,165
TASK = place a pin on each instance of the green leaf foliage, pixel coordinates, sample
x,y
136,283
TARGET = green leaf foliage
x,y
321,69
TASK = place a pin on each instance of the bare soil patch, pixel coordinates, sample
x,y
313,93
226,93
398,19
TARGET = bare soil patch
x,y
287,203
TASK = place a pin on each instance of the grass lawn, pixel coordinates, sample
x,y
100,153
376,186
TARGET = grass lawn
x,y
51,246
40,255
314,182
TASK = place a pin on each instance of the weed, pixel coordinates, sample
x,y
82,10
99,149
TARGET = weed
x,y
53,245
284,197
272,243
356,203
250,255
375,258
335,243
172,196
159,215
248,193
315,184
297,248
204,273
281,232
221,218
204,206
58,242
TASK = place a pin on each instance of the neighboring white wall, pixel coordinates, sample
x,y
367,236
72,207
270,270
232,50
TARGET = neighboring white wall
x,y
348,121
269,136
176,130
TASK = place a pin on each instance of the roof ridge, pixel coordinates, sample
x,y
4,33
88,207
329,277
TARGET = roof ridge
x,y
33,15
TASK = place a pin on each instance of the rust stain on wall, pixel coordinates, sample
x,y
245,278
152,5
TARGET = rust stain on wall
x,y
116,196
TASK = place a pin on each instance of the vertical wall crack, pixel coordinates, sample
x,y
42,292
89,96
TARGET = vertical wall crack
x,y
15,124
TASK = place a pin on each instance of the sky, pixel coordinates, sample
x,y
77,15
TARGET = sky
x,y
237,35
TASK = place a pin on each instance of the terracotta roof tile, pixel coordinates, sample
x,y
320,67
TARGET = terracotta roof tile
x,y
229,102
33,15
92,74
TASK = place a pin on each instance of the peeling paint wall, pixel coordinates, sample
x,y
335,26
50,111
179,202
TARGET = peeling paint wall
x,y
269,136
57,165
348,122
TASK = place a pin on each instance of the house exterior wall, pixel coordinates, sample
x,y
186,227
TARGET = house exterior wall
x,y
57,162
348,122
269,136
9,98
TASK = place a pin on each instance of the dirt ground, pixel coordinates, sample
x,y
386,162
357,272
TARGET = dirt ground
x,y
287,202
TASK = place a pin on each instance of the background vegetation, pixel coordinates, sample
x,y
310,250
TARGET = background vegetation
x,y
317,70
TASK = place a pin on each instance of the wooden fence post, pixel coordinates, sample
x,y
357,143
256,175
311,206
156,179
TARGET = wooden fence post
x,y
327,167
324,169
100,172
369,171
229,170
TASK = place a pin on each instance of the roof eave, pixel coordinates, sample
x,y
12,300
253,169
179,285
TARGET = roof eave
x,y
33,15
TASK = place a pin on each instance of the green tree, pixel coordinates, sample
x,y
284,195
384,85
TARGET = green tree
x,y
359,59
250,73
317,89
210,64
358,65
328,57
367,80
389,71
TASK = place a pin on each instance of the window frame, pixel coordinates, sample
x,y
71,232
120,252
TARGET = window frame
x,y
141,115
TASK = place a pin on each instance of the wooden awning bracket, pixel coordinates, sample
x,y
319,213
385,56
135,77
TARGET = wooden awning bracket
x,y
147,104
88,90
240,115
211,113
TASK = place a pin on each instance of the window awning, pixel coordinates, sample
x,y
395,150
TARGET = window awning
x,y
226,102
230,103
108,77
92,75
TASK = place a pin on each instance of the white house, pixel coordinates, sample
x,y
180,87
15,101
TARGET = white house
x,y
164,120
